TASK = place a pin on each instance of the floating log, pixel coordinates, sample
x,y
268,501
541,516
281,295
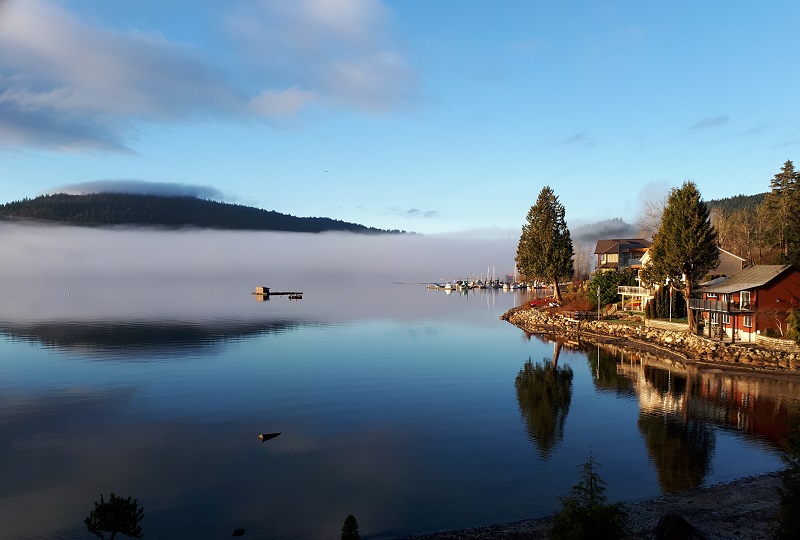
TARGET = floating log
x,y
268,436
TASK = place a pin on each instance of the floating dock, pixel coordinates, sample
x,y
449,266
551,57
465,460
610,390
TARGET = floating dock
x,y
263,293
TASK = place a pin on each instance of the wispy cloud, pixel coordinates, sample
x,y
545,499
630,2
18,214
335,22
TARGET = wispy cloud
x,y
69,84
415,212
340,52
581,139
710,122
140,187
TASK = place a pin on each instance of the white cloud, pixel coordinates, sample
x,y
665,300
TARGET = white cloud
x,y
710,122
68,83
281,102
342,51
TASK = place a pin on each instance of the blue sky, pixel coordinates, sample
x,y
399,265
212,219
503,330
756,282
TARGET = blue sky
x,y
431,116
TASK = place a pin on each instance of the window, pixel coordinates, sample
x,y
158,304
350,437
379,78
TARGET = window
x,y
726,318
748,321
744,298
711,295
714,317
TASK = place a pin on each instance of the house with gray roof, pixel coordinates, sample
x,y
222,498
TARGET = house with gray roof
x,y
752,301
619,253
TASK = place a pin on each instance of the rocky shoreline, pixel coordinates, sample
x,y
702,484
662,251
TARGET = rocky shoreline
x,y
677,346
745,509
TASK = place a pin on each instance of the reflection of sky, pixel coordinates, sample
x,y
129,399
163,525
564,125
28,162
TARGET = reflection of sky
x,y
395,403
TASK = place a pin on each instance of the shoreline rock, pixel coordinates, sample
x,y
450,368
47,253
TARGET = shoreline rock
x,y
677,346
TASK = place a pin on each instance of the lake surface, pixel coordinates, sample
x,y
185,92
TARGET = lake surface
x,y
414,410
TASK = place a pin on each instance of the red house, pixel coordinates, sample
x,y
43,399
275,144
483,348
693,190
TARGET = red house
x,y
749,302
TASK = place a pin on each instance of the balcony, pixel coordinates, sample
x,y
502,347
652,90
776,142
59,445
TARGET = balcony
x,y
631,261
719,306
637,291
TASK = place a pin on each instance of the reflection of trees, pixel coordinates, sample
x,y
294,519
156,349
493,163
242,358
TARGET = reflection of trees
x,y
681,451
133,337
605,375
544,392
680,447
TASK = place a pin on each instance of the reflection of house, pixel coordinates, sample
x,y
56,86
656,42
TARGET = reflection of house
x,y
618,254
749,301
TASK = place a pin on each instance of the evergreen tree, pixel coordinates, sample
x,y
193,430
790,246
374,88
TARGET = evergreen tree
x,y
684,249
545,247
783,202
585,514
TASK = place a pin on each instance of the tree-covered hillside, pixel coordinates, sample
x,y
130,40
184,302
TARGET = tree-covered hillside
x,y
736,203
108,209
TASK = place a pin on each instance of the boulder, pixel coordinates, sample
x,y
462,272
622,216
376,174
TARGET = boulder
x,y
674,527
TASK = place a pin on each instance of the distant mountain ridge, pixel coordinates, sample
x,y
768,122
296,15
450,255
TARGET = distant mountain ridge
x,y
113,209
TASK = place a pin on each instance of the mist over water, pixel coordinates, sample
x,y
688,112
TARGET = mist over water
x,y
75,272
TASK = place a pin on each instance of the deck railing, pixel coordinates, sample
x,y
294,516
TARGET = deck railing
x,y
719,305
639,291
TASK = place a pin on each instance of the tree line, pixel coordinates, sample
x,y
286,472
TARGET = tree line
x,y
109,209
768,229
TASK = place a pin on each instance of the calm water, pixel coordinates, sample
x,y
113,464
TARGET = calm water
x,y
412,409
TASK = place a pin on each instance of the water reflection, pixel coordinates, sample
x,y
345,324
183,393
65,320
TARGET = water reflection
x,y
544,392
680,450
679,406
142,339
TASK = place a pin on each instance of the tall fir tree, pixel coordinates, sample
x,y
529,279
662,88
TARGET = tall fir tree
x,y
783,202
684,249
545,246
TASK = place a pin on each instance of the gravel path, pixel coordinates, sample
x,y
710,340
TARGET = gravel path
x,y
745,509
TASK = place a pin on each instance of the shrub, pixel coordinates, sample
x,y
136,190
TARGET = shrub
x,y
793,325
771,332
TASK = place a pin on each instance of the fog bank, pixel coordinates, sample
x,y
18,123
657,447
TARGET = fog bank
x,y
53,272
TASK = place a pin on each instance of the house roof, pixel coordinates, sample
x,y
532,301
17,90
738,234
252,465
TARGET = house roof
x,y
751,277
732,254
618,244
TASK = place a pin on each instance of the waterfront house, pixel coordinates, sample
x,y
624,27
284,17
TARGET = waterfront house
x,y
619,254
753,301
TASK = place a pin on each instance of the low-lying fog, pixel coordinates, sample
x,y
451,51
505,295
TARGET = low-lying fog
x,y
67,272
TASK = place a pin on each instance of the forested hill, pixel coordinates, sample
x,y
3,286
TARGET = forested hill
x,y
108,209
736,203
